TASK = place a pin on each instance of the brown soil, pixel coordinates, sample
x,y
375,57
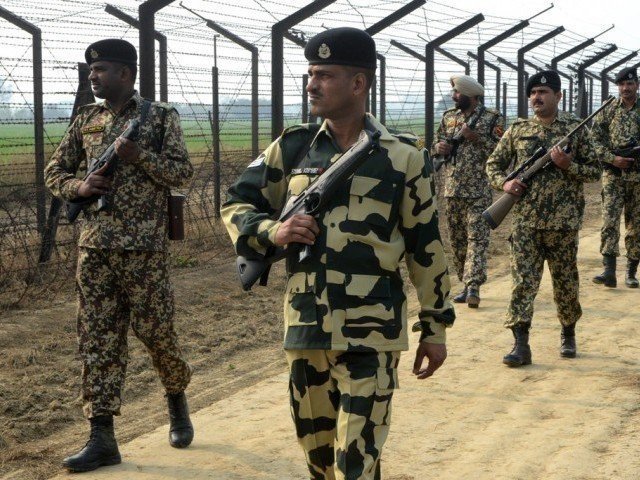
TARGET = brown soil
x,y
232,338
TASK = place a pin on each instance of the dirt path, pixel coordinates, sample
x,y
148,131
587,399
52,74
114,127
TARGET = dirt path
x,y
557,419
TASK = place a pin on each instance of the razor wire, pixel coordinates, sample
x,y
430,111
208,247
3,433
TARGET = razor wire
x,y
69,26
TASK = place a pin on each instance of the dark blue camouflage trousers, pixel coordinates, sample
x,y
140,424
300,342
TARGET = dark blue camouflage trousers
x,y
118,289
341,407
619,194
530,248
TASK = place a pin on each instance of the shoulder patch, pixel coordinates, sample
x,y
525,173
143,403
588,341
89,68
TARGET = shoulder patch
x,y
258,161
302,126
407,138
163,106
88,106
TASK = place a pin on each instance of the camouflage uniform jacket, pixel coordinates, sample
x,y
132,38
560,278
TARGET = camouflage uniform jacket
x,y
465,177
614,127
137,219
349,294
554,199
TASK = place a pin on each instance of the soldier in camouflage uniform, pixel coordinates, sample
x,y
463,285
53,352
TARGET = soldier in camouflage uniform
x,y
123,269
466,186
613,128
344,307
549,214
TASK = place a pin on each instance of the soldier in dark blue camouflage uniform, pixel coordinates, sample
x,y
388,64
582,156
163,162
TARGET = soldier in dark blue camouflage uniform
x,y
613,128
547,218
345,309
123,269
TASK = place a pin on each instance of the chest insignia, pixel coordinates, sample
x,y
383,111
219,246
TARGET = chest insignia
x,y
307,171
92,129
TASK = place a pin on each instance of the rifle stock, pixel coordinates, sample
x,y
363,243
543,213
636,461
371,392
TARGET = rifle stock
x,y
494,215
312,200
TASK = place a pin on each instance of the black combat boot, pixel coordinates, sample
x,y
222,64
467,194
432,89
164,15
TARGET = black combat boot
x,y
473,297
521,352
608,277
568,341
632,267
180,427
461,297
99,451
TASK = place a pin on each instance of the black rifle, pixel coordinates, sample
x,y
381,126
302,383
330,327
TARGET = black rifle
x,y
539,160
456,140
109,158
311,201
631,149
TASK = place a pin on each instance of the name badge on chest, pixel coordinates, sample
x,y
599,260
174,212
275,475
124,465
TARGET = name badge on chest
x,y
307,171
92,129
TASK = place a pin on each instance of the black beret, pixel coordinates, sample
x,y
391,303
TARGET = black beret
x,y
628,73
546,78
111,50
342,46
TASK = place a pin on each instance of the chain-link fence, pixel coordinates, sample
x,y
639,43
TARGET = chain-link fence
x,y
39,89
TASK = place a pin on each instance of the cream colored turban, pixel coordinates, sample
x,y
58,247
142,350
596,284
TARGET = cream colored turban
x,y
467,85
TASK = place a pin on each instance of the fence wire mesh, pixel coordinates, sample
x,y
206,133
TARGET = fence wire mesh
x,y
69,26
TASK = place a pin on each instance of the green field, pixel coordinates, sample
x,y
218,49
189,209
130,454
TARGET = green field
x,y
17,141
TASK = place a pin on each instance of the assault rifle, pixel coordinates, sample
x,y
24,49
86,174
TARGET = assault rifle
x,y
631,149
456,140
539,160
311,201
109,158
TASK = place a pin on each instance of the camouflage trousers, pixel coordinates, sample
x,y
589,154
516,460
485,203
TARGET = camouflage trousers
x,y
117,289
469,237
529,249
619,194
341,407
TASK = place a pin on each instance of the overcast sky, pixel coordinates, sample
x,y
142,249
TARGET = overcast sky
x,y
586,17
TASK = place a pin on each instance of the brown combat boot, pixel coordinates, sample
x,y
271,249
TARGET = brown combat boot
x,y
632,267
608,277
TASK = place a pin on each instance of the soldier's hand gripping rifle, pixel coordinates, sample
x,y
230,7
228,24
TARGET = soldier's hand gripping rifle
x,y
631,149
456,140
109,159
311,201
540,159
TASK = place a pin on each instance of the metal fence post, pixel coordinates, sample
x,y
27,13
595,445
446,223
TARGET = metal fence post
x,y
146,16
523,110
84,96
582,107
429,54
604,80
278,31
162,47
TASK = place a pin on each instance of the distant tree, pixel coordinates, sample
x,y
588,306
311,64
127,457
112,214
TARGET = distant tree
x,y
6,91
